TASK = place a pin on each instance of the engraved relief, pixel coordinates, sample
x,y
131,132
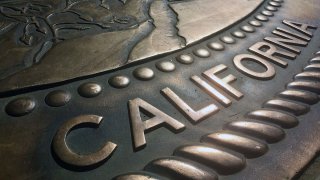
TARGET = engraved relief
x,y
85,37
38,25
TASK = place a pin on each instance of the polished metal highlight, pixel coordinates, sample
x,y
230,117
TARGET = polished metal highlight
x,y
58,98
216,46
89,90
313,76
20,106
301,96
185,59
143,73
248,147
271,52
248,29
228,40
166,66
194,116
255,23
269,73
276,117
219,160
223,83
239,34
157,118
312,67
291,107
213,92
312,86
176,168
119,81
269,133
203,53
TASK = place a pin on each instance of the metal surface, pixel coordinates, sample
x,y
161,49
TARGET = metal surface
x,y
81,38
191,89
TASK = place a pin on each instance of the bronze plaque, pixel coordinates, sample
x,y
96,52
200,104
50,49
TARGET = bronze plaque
x,y
158,89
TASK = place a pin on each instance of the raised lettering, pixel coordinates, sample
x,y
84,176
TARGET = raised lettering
x,y
301,27
62,150
157,119
300,36
211,91
194,116
285,40
211,76
270,52
269,73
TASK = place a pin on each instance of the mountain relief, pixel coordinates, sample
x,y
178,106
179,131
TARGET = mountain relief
x,y
49,41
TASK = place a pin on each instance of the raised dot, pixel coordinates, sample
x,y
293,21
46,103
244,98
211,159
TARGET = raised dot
x,y
261,18
57,98
20,107
315,60
166,66
246,28
301,96
267,13
89,90
203,53
119,81
271,8
227,39
255,23
143,73
282,119
275,4
248,147
216,46
312,67
178,168
313,76
238,34
269,133
305,85
185,59
217,159
291,107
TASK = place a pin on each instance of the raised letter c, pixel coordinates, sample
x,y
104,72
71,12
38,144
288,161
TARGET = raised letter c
x,y
62,150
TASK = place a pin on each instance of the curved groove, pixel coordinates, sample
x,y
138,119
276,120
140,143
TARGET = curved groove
x,y
312,67
291,107
313,76
137,176
221,161
248,147
269,133
178,168
306,85
301,96
315,60
282,119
